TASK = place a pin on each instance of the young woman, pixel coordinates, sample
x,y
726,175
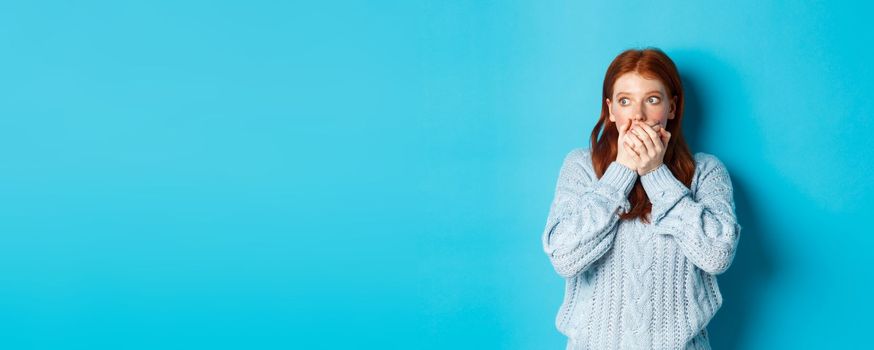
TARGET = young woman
x,y
639,227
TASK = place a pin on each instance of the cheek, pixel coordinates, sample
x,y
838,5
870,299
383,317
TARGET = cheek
x,y
658,113
621,113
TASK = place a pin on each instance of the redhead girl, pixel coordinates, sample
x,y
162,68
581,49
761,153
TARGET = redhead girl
x,y
640,227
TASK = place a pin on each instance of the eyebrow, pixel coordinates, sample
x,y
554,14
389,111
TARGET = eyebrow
x,y
647,93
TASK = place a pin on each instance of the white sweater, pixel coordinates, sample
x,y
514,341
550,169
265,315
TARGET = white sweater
x,y
631,285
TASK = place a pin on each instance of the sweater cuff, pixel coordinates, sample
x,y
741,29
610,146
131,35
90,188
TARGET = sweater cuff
x,y
664,191
619,177
660,182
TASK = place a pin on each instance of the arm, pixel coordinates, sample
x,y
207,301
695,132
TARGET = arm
x,y
584,213
705,227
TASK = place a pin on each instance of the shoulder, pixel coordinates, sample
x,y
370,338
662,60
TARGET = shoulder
x,y
578,163
578,154
578,158
710,170
706,163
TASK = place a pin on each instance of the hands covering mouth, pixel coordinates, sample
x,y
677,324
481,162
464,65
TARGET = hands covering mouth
x,y
642,146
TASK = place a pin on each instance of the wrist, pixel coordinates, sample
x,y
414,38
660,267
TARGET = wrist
x,y
620,177
644,171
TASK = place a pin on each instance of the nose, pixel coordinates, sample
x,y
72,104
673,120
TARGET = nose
x,y
638,115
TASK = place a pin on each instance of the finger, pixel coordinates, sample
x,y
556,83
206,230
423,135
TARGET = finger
x,y
631,152
623,129
655,133
636,141
653,136
666,135
641,133
629,146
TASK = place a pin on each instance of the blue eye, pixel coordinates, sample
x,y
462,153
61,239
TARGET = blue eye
x,y
623,101
654,100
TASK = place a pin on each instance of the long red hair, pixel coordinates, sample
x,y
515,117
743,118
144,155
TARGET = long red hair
x,y
650,63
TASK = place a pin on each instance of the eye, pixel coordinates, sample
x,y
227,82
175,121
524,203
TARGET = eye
x,y
624,101
654,100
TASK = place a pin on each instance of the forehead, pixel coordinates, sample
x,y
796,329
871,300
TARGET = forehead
x,y
634,83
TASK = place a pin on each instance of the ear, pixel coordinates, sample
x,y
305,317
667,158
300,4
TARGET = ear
x,y
610,109
673,110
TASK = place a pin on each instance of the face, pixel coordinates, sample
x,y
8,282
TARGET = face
x,y
640,99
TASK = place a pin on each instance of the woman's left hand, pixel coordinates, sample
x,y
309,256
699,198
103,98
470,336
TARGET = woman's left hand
x,y
649,143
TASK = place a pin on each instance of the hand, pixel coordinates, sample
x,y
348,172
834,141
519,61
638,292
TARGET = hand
x,y
625,155
648,146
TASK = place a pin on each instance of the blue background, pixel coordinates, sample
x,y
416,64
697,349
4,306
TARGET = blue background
x,y
377,175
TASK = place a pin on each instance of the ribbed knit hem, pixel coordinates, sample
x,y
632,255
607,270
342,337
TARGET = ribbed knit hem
x,y
659,181
620,177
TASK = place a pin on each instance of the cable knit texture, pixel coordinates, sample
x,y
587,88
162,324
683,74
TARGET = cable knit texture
x,y
631,285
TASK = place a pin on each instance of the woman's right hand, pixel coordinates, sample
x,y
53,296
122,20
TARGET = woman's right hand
x,y
626,154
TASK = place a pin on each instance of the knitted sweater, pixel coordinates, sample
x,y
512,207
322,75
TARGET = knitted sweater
x,y
631,285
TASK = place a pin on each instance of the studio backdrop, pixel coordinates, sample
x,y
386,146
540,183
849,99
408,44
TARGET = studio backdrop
x,y
377,175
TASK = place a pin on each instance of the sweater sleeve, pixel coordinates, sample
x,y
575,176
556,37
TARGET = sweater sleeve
x,y
584,212
705,227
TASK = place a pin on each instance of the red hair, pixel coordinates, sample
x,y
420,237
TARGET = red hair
x,y
651,63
